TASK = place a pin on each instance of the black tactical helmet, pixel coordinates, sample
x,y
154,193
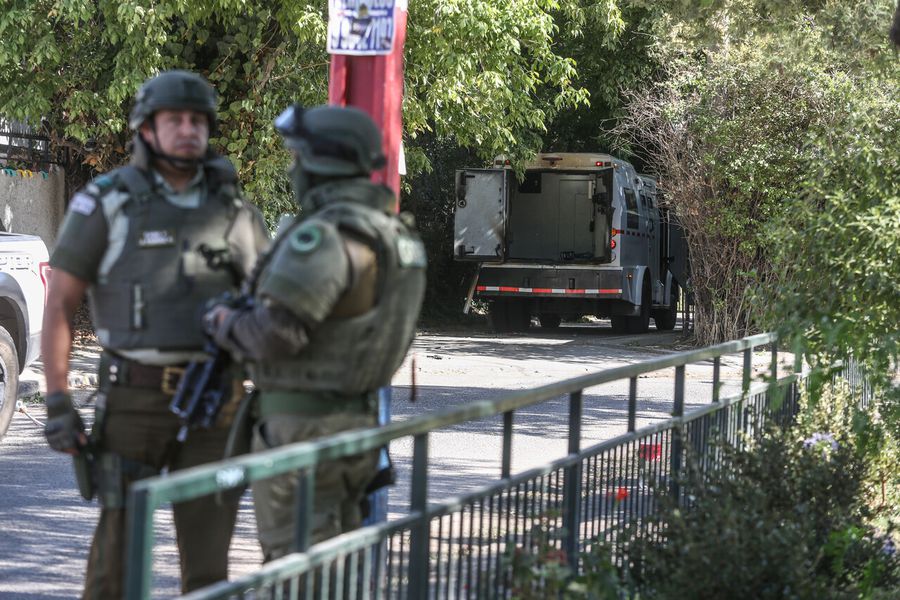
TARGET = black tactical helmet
x,y
332,140
173,90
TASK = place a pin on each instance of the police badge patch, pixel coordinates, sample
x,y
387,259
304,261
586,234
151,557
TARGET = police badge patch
x,y
156,239
82,204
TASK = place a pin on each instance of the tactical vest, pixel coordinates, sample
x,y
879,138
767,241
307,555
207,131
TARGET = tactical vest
x,y
155,294
361,353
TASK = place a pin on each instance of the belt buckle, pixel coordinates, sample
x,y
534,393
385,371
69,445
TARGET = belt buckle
x,y
171,377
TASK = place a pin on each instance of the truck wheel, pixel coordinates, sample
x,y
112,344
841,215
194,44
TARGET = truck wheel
x,y
9,379
519,317
549,321
641,323
498,317
665,319
619,324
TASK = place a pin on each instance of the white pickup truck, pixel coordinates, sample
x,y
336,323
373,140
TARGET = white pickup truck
x,y
23,292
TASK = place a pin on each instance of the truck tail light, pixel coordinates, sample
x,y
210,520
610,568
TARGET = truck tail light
x,y
612,243
45,270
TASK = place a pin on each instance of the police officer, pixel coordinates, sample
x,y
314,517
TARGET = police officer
x,y
136,240
337,300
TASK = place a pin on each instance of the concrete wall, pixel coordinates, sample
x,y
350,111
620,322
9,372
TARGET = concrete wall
x,y
33,205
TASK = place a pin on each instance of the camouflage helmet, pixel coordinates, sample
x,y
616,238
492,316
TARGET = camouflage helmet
x,y
179,90
332,140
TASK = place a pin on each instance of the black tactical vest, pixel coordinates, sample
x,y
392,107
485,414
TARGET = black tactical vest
x,y
359,354
154,295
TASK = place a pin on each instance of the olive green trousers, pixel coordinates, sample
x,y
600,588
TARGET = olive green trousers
x,y
339,486
139,427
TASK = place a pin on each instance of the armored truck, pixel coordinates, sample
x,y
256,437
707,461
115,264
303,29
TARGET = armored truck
x,y
580,234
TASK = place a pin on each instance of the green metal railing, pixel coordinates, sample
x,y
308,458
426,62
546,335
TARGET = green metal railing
x,y
459,547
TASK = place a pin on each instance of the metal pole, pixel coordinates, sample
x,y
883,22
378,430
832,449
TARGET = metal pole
x,y
419,535
677,433
506,459
138,568
717,378
303,507
632,404
572,486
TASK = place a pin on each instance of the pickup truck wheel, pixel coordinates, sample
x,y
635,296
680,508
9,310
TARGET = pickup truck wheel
x,y
549,321
665,319
9,379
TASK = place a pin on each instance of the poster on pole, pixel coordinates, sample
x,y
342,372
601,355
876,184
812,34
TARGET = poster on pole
x,y
361,27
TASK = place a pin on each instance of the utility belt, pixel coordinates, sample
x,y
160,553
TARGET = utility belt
x,y
103,473
120,371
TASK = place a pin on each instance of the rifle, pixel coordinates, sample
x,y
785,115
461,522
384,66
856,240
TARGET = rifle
x,y
205,386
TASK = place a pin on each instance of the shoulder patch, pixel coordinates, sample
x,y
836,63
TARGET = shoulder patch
x,y
306,238
411,252
83,204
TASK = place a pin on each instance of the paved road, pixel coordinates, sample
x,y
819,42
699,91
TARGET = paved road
x,y
47,527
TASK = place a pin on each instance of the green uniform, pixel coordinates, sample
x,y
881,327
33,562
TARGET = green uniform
x,y
138,243
336,305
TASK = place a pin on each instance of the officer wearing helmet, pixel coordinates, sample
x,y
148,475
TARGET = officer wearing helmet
x,y
136,240
337,300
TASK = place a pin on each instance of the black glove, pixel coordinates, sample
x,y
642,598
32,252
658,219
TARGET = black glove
x,y
64,429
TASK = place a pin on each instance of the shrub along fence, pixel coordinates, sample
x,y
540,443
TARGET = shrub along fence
x,y
461,547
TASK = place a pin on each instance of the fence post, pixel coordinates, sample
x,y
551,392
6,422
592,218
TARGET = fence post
x,y
303,507
632,404
138,568
419,535
677,433
572,488
506,456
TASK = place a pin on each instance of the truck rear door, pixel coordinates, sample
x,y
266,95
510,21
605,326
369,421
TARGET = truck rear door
x,y
481,214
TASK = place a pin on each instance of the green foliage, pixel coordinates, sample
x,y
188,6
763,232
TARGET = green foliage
x,y
842,297
541,568
754,96
484,73
786,517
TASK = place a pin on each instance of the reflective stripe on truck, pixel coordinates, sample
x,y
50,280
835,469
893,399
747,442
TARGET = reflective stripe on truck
x,y
560,291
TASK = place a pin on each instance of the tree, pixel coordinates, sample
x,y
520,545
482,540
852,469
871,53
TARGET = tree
x,y
484,73
735,131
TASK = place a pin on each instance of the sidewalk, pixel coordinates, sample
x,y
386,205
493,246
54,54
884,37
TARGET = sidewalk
x,y
82,372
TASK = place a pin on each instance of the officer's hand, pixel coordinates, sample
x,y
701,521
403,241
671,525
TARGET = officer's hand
x,y
214,318
64,429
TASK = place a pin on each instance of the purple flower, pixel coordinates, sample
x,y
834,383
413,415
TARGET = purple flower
x,y
889,549
824,441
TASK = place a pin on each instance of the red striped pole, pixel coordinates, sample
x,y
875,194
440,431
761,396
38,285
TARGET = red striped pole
x,y
375,85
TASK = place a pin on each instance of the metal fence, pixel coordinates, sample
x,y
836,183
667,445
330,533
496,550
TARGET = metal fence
x,y
20,145
462,547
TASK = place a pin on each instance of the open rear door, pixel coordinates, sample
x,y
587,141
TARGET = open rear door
x,y
481,214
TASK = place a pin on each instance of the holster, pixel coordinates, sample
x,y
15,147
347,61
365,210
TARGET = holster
x,y
241,430
85,462
85,474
